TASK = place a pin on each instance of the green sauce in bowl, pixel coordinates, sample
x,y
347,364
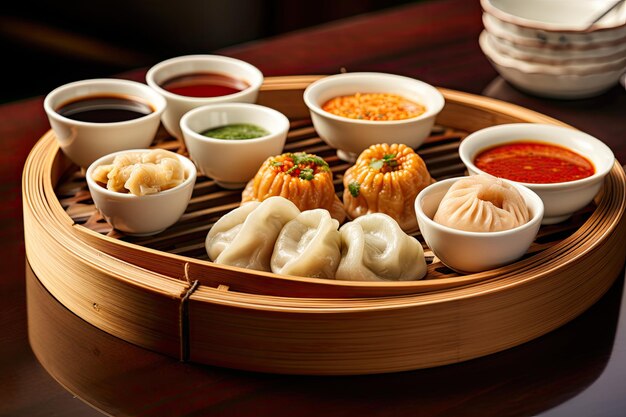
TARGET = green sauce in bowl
x,y
236,131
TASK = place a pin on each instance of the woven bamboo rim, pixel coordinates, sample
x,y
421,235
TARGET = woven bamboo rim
x,y
243,319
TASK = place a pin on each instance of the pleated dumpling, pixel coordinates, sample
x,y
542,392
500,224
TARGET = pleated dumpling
x,y
115,175
482,203
141,173
386,178
308,246
374,248
145,179
245,237
155,156
226,229
159,170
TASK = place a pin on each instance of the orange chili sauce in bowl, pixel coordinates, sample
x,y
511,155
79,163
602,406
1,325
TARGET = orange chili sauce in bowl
x,y
534,162
374,106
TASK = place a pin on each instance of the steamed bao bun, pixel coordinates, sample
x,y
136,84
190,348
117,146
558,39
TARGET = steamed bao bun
x,y
274,235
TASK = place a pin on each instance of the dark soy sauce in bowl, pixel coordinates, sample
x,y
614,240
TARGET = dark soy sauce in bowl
x,y
105,108
204,84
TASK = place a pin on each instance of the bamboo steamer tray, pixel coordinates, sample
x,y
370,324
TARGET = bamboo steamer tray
x,y
163,294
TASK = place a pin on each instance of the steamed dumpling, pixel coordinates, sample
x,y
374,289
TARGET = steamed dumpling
x,y
141,173
482,203
147,179
117,173
155,156
308,246
305,179
386,178
374,248
245,237
114,176
226,229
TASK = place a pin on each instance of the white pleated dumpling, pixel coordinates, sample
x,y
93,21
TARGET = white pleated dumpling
x,y
375,248
482,203
245,237
308,246
226,229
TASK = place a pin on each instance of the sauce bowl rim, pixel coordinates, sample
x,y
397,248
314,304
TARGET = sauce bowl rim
x,y
255,82
282,119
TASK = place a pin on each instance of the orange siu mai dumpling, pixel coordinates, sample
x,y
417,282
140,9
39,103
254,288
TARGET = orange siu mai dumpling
x,y
386,178
303,178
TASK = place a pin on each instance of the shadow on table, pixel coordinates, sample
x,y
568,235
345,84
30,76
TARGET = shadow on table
x,y
122,379
594,115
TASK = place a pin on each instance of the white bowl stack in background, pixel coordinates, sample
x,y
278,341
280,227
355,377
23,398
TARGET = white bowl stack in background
x,y
547,48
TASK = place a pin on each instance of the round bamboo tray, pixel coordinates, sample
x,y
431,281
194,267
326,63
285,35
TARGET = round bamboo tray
x,y
162,293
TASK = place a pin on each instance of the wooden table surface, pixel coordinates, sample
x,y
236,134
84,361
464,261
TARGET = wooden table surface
x,y
54,364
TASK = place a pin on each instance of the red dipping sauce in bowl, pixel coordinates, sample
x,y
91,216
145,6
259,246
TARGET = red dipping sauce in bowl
x,y
534,162
204,84
564,166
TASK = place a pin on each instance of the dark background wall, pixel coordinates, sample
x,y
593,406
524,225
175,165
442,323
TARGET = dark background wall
x,y
48,43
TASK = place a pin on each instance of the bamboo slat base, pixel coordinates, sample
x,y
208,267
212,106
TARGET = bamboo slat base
x,y
163,294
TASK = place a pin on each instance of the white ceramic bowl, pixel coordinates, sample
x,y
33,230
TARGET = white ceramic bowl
x,y
84,142
232,163
543,39
490,45
177,105
141,215
558,21
554,81
555,55
562,199
351,136
469,252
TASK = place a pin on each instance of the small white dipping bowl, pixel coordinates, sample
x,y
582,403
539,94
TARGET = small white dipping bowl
x,y
561,199
351,136
141,215
177,105
564,57
84,142
551,80
233,162
469,252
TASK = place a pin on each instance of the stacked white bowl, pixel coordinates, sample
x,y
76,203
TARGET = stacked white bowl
x,y
548,48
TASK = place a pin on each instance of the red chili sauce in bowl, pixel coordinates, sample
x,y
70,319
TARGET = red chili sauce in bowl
x,y
534,162
204,84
